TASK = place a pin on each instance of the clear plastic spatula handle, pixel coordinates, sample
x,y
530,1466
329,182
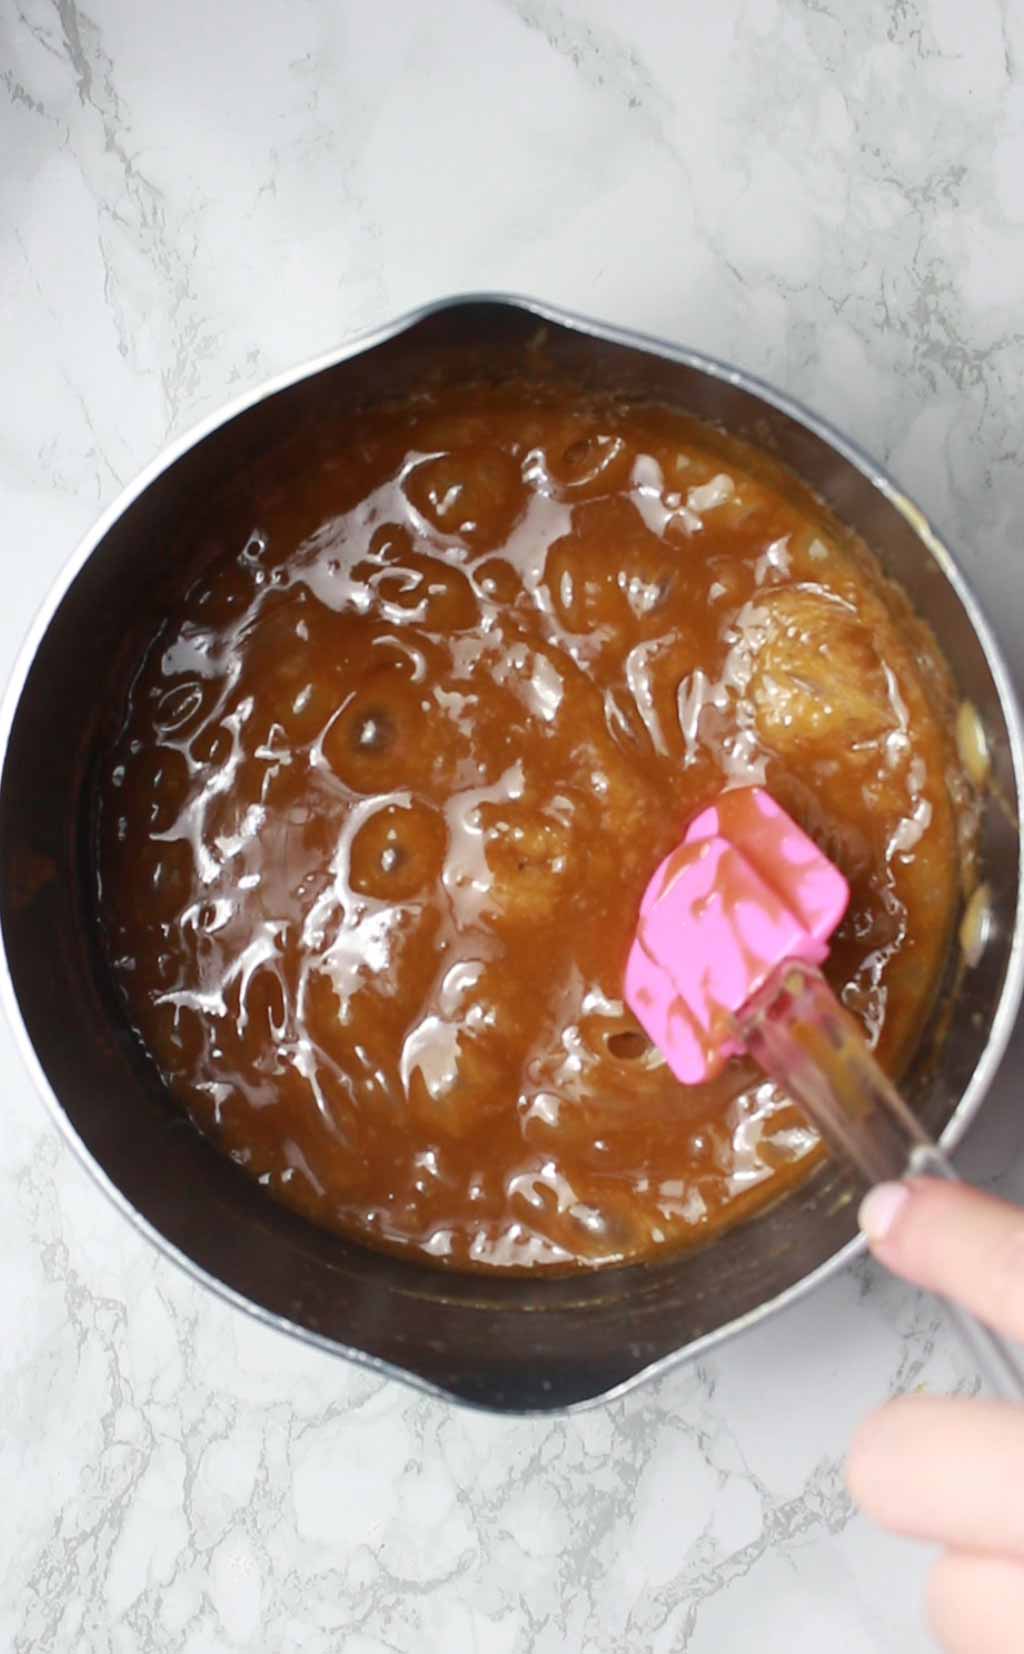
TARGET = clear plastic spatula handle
x,y
798,1032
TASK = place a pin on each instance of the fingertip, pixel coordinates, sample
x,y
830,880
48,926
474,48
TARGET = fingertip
x,y
867,1453
976,1602
875,1458
880,1209
954,1240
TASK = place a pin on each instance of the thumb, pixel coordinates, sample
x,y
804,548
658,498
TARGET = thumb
x,y
954,1240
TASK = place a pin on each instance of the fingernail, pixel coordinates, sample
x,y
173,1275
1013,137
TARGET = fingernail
x,y
880,1208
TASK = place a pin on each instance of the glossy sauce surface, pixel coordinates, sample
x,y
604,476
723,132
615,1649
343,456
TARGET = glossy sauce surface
x,y
392,781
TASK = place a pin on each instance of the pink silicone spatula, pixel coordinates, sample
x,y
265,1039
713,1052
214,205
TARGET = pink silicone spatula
x,y
733,927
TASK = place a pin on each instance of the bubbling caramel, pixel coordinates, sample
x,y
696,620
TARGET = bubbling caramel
x,y
394,776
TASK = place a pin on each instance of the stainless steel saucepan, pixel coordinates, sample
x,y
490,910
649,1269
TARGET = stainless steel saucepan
x,y
523,1344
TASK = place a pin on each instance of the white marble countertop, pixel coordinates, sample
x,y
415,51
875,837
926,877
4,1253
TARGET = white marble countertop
x,y
195,195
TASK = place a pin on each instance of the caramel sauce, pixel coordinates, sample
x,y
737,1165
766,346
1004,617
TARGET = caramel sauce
x,y
394,776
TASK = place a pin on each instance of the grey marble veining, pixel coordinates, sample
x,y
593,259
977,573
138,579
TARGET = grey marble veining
x,y
194,196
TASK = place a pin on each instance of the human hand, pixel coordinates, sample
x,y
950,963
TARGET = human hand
x,y
951,1470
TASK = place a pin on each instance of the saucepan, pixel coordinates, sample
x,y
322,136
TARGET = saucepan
x,y
523,1344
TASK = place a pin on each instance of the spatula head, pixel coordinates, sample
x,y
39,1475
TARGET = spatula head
x,y
744,892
